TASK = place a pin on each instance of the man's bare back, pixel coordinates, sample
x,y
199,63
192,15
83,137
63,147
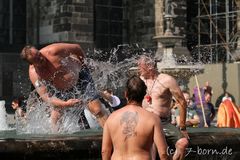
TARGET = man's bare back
x,y
130,131
62,68
130,140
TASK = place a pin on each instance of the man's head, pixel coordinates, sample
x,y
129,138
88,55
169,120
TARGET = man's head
x,y
135,89
108,92
31,55
15,103
187,97
146,65
207,96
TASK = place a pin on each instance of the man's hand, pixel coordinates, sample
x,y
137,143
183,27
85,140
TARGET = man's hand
x,y
185,134
72,102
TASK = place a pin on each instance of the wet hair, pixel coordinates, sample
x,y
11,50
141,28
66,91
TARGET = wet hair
x,y
18,100
25,52
135,89
109,90
15,101
185,92
150,62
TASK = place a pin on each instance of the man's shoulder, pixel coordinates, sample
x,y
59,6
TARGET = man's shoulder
x,y
164,75
31,69
56,46
116,113
166,80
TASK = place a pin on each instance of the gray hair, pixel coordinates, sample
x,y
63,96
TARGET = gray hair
x,y
150,62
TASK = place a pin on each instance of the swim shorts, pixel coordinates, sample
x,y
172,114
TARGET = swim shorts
x,y
171,132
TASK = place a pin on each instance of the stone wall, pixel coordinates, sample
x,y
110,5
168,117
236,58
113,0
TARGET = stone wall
x,y
60,21
14,79
141,22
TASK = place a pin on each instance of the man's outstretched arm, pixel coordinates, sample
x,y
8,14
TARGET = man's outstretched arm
x,y
43,93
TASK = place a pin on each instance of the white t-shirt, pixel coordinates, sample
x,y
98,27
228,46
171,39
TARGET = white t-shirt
x,y
224,98
115,101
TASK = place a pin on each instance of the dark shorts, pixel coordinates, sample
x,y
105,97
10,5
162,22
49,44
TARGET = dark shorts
x,y
171,132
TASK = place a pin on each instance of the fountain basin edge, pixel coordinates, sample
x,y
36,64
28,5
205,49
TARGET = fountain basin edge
x,y
87,145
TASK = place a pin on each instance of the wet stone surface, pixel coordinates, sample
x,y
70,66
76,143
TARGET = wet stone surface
x,y
205,143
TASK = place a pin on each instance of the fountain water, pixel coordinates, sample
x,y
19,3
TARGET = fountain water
x,y
106,74
3,121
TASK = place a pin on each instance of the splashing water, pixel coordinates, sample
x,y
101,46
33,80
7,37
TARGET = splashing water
x,y
108,70
3,121
106,73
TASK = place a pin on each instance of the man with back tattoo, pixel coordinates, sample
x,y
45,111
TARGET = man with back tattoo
x,y
130,131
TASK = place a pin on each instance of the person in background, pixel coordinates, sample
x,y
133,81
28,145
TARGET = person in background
x,y
160,90
208,110
192,119
173,112
226,96
208,88
130,131
17,105
112,100
60,67
228,115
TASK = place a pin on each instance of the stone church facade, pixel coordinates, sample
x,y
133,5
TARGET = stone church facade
x,y
100,24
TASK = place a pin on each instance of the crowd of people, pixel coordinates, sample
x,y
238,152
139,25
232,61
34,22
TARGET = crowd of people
x,y
154,101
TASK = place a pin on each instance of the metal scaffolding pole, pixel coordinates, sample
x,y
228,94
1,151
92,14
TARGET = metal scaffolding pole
x,y
211,29
222,12
199,30
216,31
227,29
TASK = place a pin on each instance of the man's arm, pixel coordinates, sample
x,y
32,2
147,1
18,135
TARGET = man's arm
x,y
159,139
180,100
42,91
212,116
107,145
98,111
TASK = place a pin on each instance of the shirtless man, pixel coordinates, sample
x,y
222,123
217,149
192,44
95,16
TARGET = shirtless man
x,y
130,131
160,90
61,66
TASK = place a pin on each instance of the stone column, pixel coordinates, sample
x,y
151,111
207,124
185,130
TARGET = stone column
x,y
159,26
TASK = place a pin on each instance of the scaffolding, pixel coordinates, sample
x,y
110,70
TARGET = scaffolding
x,y
217,30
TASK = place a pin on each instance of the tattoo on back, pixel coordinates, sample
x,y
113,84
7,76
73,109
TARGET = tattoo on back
x,y
129,121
